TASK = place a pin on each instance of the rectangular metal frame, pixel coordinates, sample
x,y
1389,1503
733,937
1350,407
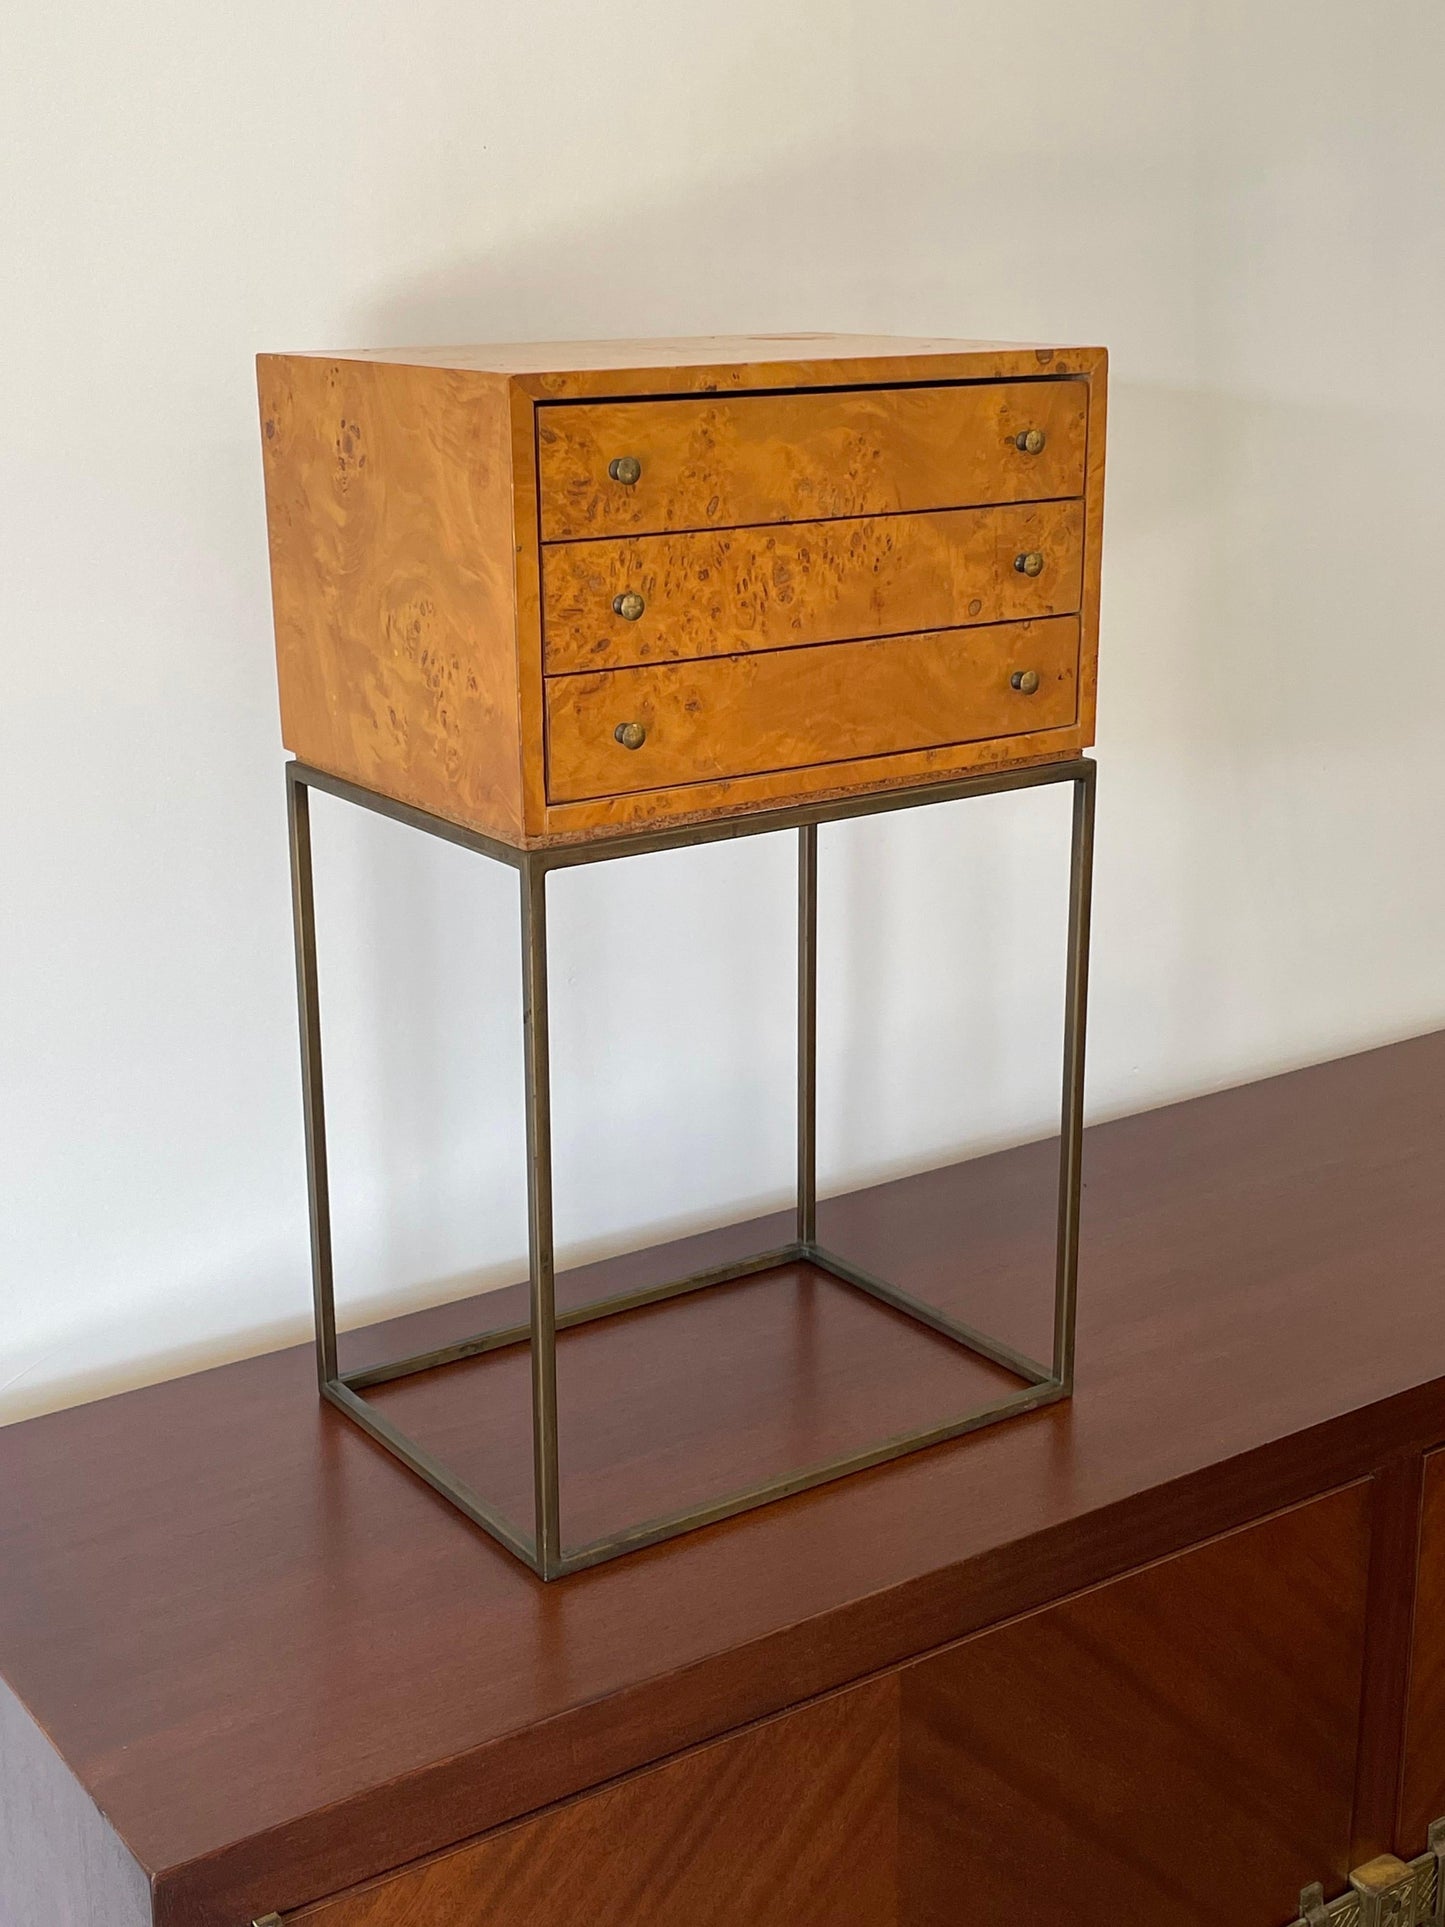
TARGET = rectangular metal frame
x,y
543,1549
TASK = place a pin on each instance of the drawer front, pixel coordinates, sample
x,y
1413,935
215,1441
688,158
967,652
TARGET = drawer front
x,y
806,582
726,462
793,1824
794,708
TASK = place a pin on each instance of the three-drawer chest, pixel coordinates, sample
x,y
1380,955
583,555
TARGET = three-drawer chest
x,y
562,604
558,590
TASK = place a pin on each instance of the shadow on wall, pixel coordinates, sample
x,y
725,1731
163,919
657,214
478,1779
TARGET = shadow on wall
x,y
1260,734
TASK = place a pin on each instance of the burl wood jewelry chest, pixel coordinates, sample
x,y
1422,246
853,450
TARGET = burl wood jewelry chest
x,y
563,604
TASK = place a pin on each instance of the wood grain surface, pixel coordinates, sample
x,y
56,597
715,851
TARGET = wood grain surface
x,y
807,582
61,1865
1394,1546
789,709
1176,1749
281,1666
791,1824
700,801
732,460
1422,1791
403,506
713,364
389,509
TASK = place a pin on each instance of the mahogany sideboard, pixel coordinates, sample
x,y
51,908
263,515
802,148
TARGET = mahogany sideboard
x,y
1164,1654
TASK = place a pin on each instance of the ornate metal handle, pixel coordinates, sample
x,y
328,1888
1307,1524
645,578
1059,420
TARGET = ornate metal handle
x,y
1025,681
630,735
627,468
1031,562
629,605
1029,441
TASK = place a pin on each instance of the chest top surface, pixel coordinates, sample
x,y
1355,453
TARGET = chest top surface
x,y
562,591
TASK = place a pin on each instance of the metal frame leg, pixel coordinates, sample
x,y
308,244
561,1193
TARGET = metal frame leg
x,y
808,1034
313,1103
544,1550
541,1251
1071,1122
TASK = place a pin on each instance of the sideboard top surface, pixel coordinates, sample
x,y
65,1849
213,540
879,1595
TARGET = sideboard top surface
x,y
279,1664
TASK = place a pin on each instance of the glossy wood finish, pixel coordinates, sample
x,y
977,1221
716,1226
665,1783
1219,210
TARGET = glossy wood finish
x,y
1422,1793
61,1865
788,709
807,582
794,708
407,492
390,515
1177,1748
281,1667
791,1824
725,462
1394,1543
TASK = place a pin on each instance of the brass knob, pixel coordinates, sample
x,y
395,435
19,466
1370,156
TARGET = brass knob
x,y
629,605
1025,681
1029,441
633,735
1031,562
627,468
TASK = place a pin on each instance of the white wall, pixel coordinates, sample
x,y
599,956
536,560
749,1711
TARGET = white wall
x,y
1243,200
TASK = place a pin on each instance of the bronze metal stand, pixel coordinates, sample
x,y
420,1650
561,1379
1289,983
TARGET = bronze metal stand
x,y
544,1549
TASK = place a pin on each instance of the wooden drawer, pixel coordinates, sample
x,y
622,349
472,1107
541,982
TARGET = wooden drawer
x,y
793,1824
790,708
727,461
805,582
447,546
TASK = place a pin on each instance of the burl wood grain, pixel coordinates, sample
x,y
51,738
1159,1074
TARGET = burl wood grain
x,y
791,708
1173,1750
792,1824
731,460
389,507
713,364
714,594
1422,1792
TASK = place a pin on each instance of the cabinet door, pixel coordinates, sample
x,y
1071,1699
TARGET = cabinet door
x,y
1176,1747
1422,1792
789,1824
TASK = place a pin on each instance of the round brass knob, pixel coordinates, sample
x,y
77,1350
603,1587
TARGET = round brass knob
x,y
1031,562
1029,441
629,605
627,468
1025,681
630,735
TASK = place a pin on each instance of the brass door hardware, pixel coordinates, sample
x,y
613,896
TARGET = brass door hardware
x,y
630,735
629,605
627,468
1030,441
1025,681
1031,562
1385,1892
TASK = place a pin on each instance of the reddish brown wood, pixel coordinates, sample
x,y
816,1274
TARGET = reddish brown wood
x,y
1394,1545
281,1666
60,1864
791,1824
1176,1748
1422,1793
